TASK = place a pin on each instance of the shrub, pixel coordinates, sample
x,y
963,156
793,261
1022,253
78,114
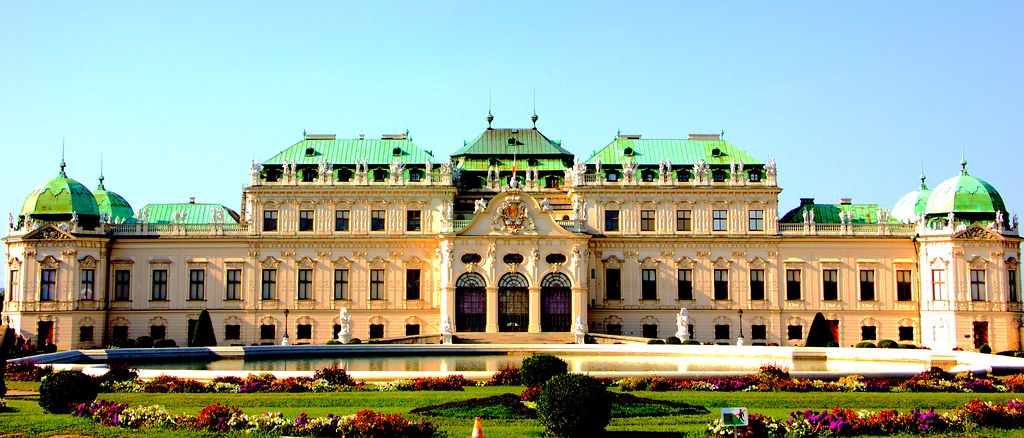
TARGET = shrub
x,y
202,335
507,375
62,390
368,424
531,393
908,346
672,340
27,372
866,344
144,342
217,417
645,383
48,348
888,343
119,371
574,405
333,342
355,341
539,368
167,384
234,380
985,349
691,342
164,343
334,375
656,342
125,343
820,333
832,344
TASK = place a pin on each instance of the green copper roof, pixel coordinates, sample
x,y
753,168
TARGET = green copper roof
x,y
829,214
61,195
678,151
505,164
911,205
348,151
197,213
496,142
964,194
112,204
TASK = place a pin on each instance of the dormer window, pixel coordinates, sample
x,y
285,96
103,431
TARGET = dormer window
x,y
647,176
612,176
415,175
310,152
683,176
308,175
493,161
396,151
716,152
718,176
754,176
379,175
344,175
627,151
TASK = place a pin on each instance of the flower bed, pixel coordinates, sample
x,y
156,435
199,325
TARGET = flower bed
x,y
266,382
221,418
846,422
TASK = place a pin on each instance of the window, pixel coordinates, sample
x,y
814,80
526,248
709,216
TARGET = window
x,y
977,285
906,333
646,220
904,285
85,333
158,332
305,285
648,284
412,220
683,220
306,220
377,218
159,292
376,331
647,176
611,220
232,332
722,331
88,284
794,332
1011,276
233,289
756,284
415,175
308,175
376,284
269,285
650,330
721,284
718,176
758,331
304,331
267,331
341,284
613,176
867,285
683,176
612,284
412,284
718,220
119,332
14,286
867,333
613,329
830,284
47,284
792,284
754,176
756,220
196,284
939,285
684,279
341,220
412,329
122,285
270,220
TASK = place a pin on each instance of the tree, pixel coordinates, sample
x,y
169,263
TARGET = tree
x,y
202,335
820,333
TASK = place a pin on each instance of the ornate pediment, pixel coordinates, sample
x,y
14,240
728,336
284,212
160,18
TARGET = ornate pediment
x,y
306,263
938,263
757,263
612,262
49,232
978,232
978,263
513,216
342,262
49,262
685,263
1012,263
413,262
14,263
377,263
87,262
270,263
648,263
722,263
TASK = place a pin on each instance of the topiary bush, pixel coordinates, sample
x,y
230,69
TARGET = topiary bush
x,y
832,344
655,342
333,342
202,335
866,344
119,371
985,349
61,391
672,340
164,343
908,346
125,343
144,342
355,341
888,343
574,405
540,368
334,375
820,333
691,342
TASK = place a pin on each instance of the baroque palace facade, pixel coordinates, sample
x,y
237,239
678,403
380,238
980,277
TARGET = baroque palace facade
x,y
624,239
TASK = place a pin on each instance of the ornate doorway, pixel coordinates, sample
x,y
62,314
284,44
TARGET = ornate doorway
x,y
555,301
470,303
513,303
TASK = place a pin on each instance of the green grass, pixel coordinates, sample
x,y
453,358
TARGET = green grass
x,y
29,420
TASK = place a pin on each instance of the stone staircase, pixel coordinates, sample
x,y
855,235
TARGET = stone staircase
x,y
514,338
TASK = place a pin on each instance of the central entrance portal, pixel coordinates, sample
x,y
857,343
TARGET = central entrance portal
x,y
513,303
470,303
555,303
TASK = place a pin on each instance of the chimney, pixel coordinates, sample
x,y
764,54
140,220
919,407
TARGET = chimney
x,y
362,136
394,137
192,200
705,137
806,201
629,136
845,201
320,136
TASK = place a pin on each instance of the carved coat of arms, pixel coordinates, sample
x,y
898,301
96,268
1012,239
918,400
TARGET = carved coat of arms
x,y
512,217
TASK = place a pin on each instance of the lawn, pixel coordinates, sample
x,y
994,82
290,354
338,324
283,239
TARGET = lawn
x,y
30,421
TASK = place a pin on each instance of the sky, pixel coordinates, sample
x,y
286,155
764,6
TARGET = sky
x,y
851,99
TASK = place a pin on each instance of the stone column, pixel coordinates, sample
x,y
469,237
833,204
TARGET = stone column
x,y
535,309
492,309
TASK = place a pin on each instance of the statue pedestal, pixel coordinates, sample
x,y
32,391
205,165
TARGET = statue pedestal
x,y
285,341
580,338
739,341
446,338
344,339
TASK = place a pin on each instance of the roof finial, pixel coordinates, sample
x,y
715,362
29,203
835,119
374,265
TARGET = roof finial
x,y
963,157
721,135
490,118
62,165
923,186
534,116
303,133
101,172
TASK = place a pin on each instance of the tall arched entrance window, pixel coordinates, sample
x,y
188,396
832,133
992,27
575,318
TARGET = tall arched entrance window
x,y
470,303
555,300
513,303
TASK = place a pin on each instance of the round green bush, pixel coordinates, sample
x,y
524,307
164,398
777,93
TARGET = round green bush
x,y
144,342
672,340
61,391
355,341
985,349
333,342
866,344
691,342
888,343
540,368
164,343
656,342
574,405
125,343
908,346
832,344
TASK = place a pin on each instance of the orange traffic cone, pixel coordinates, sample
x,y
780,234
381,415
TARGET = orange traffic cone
x,y
478,430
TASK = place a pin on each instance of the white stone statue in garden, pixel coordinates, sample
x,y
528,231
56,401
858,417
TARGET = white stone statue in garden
x,y
345,323
683,325
446,325
579,331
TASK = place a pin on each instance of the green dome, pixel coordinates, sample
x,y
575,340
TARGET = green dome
x,y
965,194
58,198
112,204
911,205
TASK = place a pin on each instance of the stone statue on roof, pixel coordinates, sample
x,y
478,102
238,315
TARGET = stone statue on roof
x,y
597,166
668,166
999,218
545,205
479,206
770,167
949,220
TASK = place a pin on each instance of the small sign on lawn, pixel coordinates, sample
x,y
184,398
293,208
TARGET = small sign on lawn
x,y
734,417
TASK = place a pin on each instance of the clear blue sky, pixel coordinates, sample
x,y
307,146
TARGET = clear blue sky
x,y
179,96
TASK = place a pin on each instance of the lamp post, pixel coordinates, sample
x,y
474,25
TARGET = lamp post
x,y
740,340
284,340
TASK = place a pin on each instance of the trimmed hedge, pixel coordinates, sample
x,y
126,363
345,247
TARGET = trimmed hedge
x,y
574,405
866,344
888,343
539,368
61,391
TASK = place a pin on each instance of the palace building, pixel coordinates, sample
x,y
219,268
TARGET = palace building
x,y
515,236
